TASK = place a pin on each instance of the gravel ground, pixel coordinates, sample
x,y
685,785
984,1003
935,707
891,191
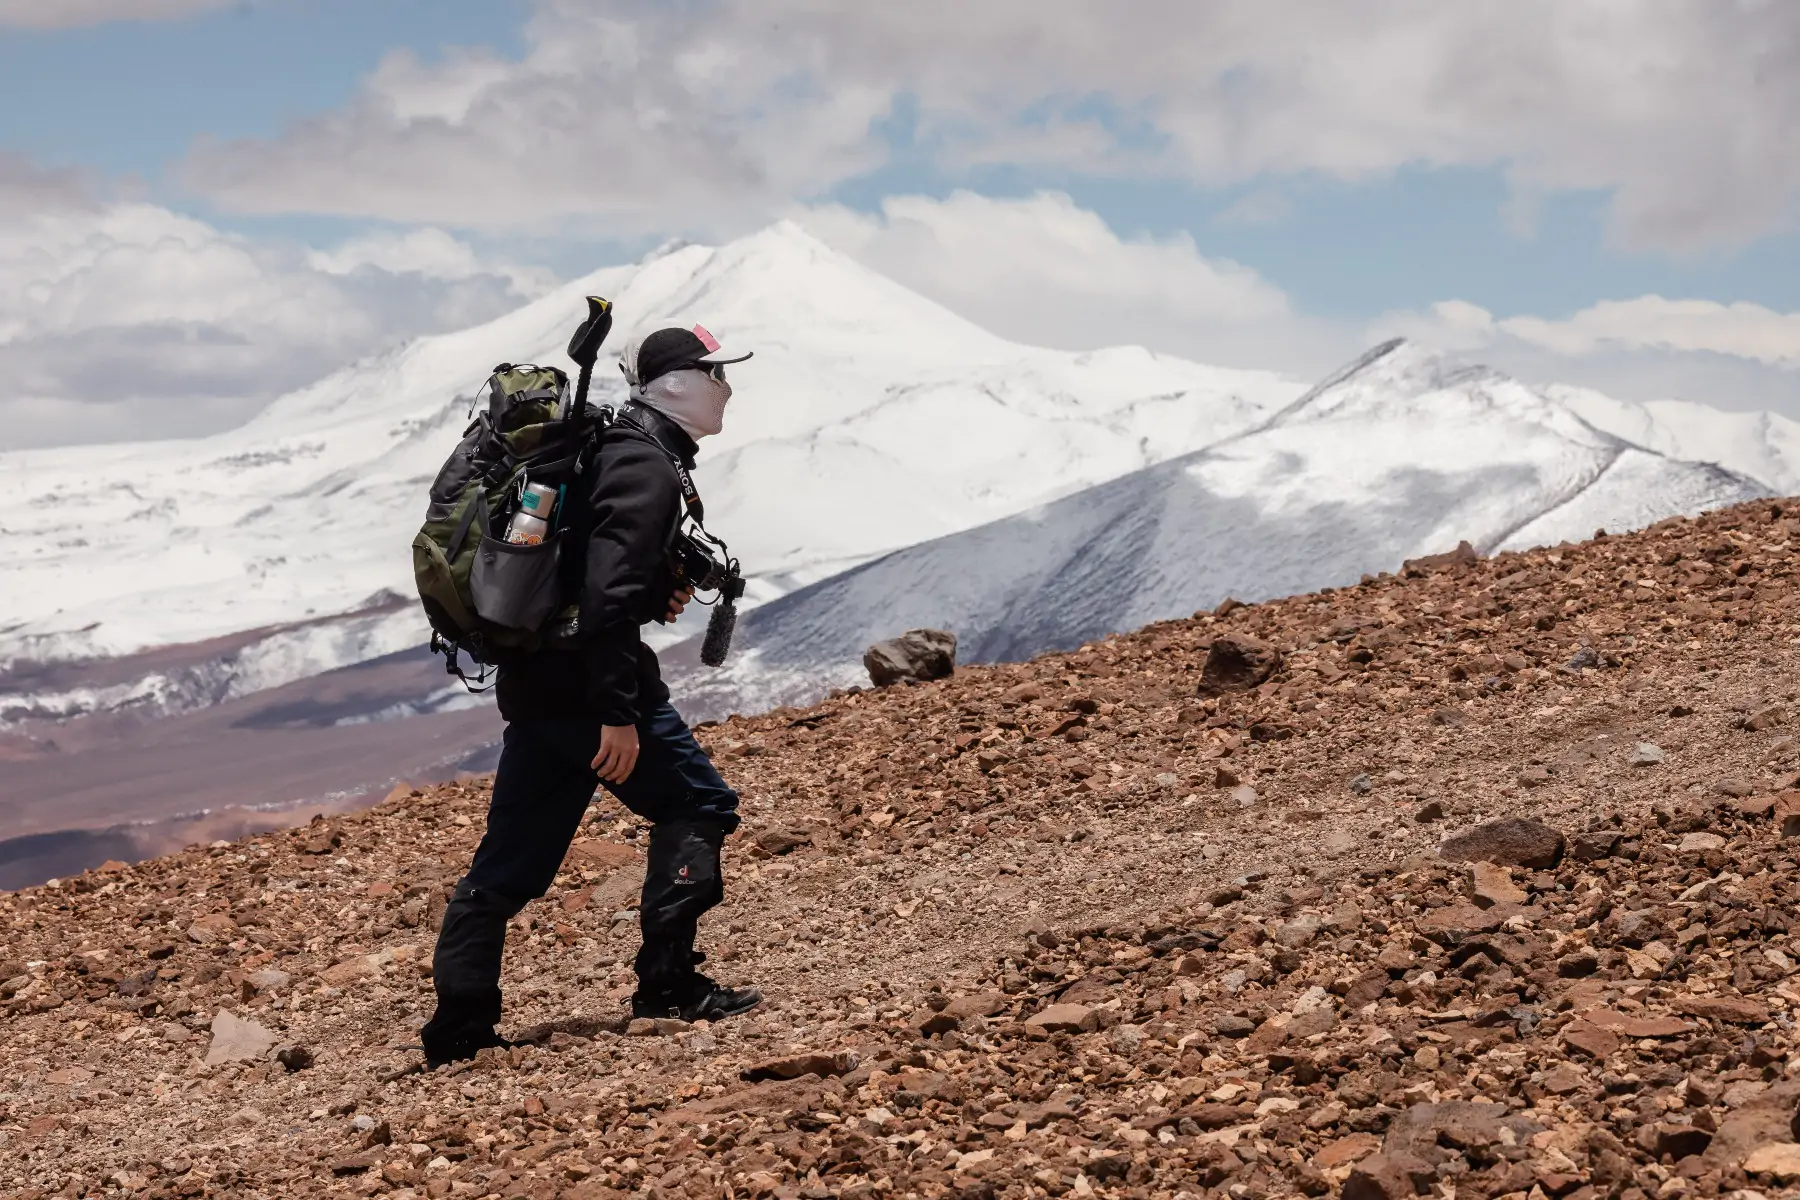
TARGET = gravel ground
x,y
1166,915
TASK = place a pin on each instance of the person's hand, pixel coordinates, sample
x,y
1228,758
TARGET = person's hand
x,y
618,753
678,602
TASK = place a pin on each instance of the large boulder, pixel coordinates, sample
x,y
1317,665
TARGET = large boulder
x,y
916,655
1508,842
1237,663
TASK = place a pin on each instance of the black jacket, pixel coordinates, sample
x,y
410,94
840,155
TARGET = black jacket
x,y
617,556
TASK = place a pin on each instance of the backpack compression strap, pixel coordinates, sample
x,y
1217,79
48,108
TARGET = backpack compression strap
x,y
477,507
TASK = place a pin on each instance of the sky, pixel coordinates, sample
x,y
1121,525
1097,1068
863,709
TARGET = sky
x,y
206,203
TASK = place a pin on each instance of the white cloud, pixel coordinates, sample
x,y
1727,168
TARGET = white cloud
x,y
65,14
649,116
1043,271
1740,330
427,252
1740,357
1647,323
1452,325
124,319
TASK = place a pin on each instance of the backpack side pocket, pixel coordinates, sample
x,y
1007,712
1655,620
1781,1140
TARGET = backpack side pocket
x,y
437,584
515,587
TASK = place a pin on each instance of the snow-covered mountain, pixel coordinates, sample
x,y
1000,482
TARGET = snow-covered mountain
x,y
870,419
1762,445
1401,454
230,620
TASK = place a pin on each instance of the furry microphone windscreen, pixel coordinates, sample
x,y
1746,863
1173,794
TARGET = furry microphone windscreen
x,y
718,633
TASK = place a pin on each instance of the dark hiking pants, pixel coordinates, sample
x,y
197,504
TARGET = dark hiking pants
x,y
541,790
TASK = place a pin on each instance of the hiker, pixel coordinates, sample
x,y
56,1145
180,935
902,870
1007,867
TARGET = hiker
x,y
599,713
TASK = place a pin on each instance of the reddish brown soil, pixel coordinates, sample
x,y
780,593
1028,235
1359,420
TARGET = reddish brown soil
x,y
1061,928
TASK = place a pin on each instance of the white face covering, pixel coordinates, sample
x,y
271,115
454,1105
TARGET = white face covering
x,y
692,399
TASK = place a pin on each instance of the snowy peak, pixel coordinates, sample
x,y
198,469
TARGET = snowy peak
x,y
869,419
1400,383
1762,445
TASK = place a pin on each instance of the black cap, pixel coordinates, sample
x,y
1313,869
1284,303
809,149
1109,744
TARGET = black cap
x,y
676,350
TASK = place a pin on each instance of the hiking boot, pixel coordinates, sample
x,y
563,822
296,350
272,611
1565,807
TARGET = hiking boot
x,y
460,1047
706,1001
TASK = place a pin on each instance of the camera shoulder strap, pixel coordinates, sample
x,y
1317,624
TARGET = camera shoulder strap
x,y
690,495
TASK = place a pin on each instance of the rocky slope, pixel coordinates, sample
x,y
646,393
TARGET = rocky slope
x,y
1129,921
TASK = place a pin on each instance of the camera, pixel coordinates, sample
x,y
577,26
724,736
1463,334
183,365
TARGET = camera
x,y
697,568
701,571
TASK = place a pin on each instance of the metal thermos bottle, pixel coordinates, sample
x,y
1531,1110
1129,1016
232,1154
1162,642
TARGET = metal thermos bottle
x,y
531,524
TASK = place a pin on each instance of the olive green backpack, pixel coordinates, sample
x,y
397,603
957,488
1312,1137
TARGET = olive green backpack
x,y
483,595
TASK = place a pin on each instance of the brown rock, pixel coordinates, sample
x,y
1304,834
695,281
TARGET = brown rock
x,y
1594,845
1577,964
1700,843
1565,1079
1366,989
1780,1160
1766,718
212,929
1764,1118
1676,1141
1431,810
1313,1021
930,1024
987,760
1595,1041
1268,1036
1734,1010
783,841
351,970
1347,1149
1464,555
1490,885
1508,841
915,656
294,1058
1237,663
1388,1177
1454,923
1089,990
1065,1018
1754,806
237,1040
1786,813
983,1004
802,1095
1396,959
1634,1026
1211,1116
793,1066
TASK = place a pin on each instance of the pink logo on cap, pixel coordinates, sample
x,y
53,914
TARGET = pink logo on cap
x,y
706,339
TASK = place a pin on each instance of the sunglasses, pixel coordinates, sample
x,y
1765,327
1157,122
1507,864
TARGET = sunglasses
x,y
715,371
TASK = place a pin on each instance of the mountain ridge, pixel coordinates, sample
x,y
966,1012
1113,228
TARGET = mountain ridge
x,y
1274,511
